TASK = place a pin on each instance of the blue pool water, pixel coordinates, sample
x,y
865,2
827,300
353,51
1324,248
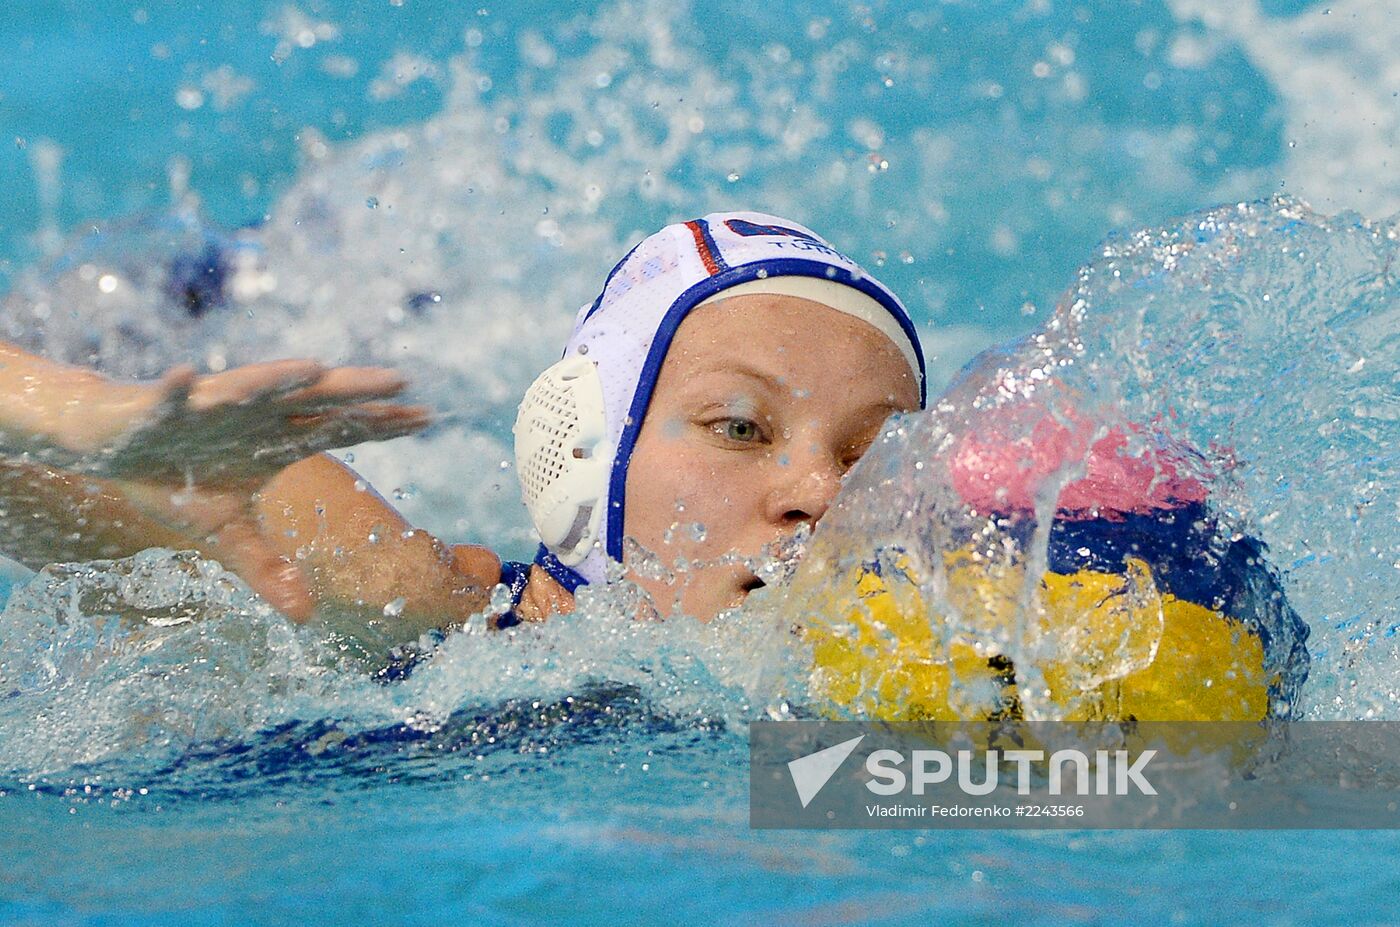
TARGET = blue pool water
x,y
396,169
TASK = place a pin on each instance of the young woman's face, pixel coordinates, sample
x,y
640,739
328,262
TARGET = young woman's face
x,y
763,404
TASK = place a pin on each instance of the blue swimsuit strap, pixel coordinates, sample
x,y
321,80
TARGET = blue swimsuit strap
x,y
515,575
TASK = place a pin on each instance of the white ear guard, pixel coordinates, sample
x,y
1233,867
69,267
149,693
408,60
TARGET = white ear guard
x,y
563,458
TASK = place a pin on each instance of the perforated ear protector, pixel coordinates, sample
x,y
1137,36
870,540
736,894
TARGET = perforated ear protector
x,y
580,420
562,454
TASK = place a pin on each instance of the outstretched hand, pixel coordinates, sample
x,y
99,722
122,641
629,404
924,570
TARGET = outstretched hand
x,y
231,428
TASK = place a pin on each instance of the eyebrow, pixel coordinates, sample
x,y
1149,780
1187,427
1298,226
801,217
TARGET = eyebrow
x,y
884,408
742,369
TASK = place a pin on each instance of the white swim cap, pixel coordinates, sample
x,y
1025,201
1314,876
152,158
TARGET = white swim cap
x,y
579,421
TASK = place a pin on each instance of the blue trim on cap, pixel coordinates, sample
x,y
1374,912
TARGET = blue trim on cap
x,y
566,576
661,345
746,229
609,279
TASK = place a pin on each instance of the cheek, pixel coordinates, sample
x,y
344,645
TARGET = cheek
x,y
686,482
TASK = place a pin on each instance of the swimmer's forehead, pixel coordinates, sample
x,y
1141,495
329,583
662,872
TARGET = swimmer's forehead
x,y
717,379
785,343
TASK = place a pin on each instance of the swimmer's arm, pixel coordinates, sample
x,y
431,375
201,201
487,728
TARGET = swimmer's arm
x,y
303,543
46,403
369,571
235,427
49,515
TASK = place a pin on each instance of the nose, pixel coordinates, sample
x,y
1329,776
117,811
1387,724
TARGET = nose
x,y
803,488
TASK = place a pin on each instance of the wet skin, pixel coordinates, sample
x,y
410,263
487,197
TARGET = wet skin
x,y
762,406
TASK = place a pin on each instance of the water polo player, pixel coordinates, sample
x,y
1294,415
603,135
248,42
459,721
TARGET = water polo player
x,y
729,373
707,406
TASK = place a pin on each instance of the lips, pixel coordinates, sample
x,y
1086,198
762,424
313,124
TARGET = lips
x,y
773,571
776,566
776,571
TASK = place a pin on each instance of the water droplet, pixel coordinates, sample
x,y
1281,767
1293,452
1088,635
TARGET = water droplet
x,y
733,177
372,202
395,608
501,600
190,98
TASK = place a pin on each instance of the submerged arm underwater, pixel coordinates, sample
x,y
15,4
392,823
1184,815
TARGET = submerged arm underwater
x,y
229,465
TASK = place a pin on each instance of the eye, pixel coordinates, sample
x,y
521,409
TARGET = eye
x,y
855,453
739,429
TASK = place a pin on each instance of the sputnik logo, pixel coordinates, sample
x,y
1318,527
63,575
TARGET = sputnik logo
x,y
812,772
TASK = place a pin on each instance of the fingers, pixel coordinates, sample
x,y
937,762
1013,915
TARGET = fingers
x,y
255,381
387,420
364,422
177,383
302,385
341,385
223,430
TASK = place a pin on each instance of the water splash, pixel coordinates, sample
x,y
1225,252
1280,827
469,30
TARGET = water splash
x,y
152,655
164,657
1259,336
1247,353
1269,334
